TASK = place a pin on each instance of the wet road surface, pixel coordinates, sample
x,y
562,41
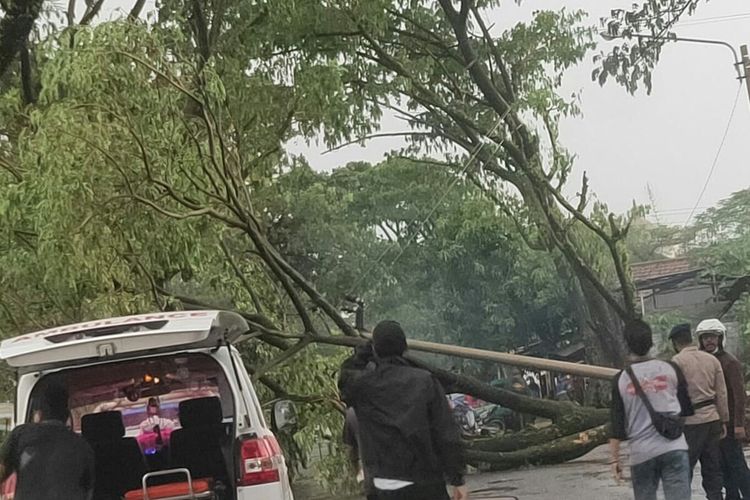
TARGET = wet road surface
x,y
587,478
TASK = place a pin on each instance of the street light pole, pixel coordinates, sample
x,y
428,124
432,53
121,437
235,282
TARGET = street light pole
x,y
741,65
746,67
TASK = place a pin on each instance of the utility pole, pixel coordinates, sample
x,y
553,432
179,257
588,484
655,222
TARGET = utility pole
x,y
746,67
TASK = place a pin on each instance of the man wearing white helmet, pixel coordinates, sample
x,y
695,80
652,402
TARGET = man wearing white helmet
x,y
711,334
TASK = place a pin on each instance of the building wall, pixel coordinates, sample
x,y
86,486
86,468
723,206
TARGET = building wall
x,y
732,341
678,298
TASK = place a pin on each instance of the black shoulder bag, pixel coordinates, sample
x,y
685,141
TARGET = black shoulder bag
x,y
669,425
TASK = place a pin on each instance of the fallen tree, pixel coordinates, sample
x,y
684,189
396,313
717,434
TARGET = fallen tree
x,y
573,432
211,185
236,211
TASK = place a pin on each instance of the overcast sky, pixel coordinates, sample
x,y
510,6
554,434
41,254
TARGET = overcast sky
x,y
666,141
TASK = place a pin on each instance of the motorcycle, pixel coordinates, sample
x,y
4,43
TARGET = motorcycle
x,y
493,419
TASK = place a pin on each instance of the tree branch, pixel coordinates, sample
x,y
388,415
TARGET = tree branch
x,y
428,98
241,276
477,71
92,11
611,243
71,13
497,56
11,170
566,247
27,77
359,140
15,27
135,12
258,321
200,30
283,357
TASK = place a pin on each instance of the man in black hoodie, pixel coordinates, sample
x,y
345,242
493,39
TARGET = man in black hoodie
x,y
410,444
52,462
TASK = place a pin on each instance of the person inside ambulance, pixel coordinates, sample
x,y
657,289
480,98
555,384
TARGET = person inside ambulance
x,y
155,425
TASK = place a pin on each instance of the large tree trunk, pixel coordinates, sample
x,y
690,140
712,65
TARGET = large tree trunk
x,y
558,411
602,335
597,319
559,450
599,325
602,329
534,437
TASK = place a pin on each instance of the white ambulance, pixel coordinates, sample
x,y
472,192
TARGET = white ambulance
x,y
165,402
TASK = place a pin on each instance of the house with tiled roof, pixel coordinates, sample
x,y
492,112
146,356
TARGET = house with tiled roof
x,y
669,284
687,289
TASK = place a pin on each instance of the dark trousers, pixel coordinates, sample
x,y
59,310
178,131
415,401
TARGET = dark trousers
x,y
734,467
429,491
703,443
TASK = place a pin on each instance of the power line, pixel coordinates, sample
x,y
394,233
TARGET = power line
x,y
716,19
669,211
718,154
440,200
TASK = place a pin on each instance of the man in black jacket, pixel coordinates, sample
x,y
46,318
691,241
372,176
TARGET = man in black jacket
x,y
52,461
410,444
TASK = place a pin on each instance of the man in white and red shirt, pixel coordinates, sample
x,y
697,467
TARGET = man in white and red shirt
x,y
654,458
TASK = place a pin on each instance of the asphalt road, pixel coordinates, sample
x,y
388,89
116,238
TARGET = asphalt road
x,y
587,478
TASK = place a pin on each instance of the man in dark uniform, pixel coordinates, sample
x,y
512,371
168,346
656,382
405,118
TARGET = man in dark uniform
x,y
51,461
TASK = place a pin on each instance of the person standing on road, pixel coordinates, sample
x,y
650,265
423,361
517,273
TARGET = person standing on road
x,y
654,457
708,394
351,440
51,461
734,467
410,444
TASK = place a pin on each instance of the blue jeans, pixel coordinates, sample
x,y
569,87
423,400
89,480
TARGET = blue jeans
x,y
672,469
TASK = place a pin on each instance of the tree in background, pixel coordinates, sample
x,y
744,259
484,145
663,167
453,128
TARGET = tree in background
x,y
458,272
721,238
650,240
